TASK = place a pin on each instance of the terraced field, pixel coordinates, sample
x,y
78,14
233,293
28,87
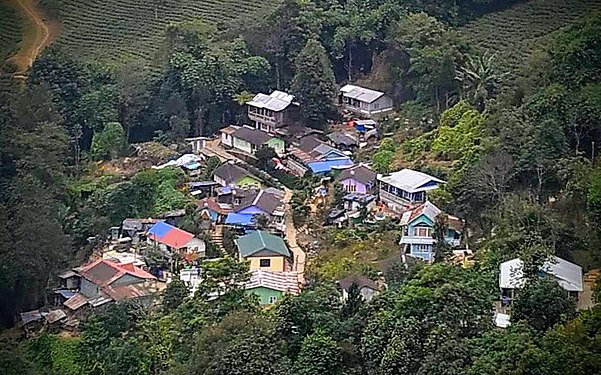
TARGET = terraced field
x,y
112,30
10,35
514,32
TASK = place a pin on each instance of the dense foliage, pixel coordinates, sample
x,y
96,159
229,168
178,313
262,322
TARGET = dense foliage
x,y
519,155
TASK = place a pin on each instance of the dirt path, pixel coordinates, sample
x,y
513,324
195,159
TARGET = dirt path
x,y
37,34
300,258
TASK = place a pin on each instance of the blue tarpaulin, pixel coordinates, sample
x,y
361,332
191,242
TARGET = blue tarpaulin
x,y
160,229
239,219
326,166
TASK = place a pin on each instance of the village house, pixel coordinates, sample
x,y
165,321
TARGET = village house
x,y
568,275
418,229
358,179
104,281
272,286
259,203
230,174
265,251
316,156
136,228
364,101
404,189
273,111
171,239
367,288
211,212
249,140
226,135
343,141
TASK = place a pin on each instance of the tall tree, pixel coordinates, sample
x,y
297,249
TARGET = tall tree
x,y
314,84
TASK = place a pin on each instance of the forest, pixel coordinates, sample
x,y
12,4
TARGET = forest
x,y
516,138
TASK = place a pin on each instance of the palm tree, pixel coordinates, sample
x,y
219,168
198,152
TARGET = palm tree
x,y
479,79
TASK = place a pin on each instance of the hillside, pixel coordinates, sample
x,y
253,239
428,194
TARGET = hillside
x,y
513,33
10,24
112,30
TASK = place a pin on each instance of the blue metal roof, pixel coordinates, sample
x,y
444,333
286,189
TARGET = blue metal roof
x,y
326,166
160,229
239,219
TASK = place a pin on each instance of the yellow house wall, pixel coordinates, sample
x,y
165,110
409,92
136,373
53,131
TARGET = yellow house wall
x,y
277,263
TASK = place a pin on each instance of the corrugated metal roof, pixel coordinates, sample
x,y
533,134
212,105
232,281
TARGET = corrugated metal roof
x,y
76,302
259,240
411,181
361,93
169,235
251,135
282,281
276,101
327,165
239,219
55,316
360,173
568,275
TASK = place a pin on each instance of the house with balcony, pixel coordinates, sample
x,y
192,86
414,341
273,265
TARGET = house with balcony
x,y
273,111
364,101
418,230
403,190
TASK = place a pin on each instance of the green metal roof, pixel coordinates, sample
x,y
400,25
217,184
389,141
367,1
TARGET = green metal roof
x,y
258,241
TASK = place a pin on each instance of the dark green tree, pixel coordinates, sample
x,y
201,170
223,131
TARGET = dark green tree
x,y
314,84
175,294
319,354
543,303
108,143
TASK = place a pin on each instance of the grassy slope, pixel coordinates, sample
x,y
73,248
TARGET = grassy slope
x,y
514,32
10,24
112,30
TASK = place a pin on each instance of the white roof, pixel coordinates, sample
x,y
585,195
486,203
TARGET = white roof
x,y
282,281
411,181
276,101
568,275
502,320
361,93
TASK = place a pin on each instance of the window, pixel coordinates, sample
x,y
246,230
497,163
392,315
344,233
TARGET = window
x,y
265,263
351,188
423,248
272,299
422,232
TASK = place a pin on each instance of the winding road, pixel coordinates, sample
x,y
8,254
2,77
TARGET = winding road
x,y
36,35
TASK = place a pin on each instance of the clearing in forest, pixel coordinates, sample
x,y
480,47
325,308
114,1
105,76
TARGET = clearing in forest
x,y
513,33
117,30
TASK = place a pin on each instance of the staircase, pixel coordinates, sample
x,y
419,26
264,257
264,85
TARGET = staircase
x,y
217,237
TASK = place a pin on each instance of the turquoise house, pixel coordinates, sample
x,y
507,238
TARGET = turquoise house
x,y
270,286
418,231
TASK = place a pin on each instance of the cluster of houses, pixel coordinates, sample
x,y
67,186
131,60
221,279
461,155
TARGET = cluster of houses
x,y
238,199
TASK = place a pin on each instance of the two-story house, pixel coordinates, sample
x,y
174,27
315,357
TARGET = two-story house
x,y
358,179
104,281
265,251
418,231
404,189
364,101
273,111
